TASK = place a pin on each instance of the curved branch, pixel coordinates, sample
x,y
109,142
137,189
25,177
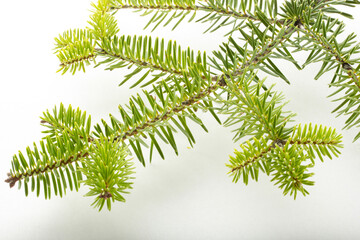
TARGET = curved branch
x,y
178,108
218,81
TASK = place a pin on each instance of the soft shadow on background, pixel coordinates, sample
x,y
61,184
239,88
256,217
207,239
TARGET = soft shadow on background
x,y
185,197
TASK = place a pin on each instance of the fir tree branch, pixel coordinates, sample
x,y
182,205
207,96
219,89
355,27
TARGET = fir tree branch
x,y
229,11
191,101
218,81
49,162
234,53
262,154
188,85
68,120
285,157
136,129
290,169
324,33
66,128
137,62
146,54
140,63
252,160
307,135
329,48
108,172
258,112
171,60
12,179
205,8
74,49
282,36
70,37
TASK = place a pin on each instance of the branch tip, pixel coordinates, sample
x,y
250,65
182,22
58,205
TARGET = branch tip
x,y
11,180
105,195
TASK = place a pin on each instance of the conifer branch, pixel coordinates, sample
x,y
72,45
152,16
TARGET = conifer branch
x,y
229,11
140,63
252,160
108,172
285,157
324,33
192,100
260,113
51,163
329,48
12,179
146,54
70,150
205,8
300,136
282,36
65,128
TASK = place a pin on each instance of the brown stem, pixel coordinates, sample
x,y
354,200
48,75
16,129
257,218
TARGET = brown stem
x,y
309,142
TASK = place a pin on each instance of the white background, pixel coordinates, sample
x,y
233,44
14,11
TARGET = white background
x,y
185,197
